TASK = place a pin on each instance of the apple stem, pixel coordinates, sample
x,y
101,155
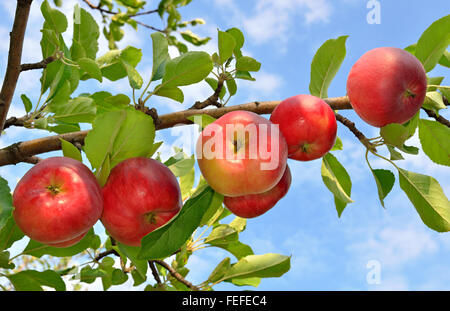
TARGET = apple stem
x,y
54,190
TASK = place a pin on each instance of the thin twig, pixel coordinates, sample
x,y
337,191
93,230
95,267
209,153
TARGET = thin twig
x,y
176,275
212,100
39,65
106,253
438,118
155,273
352,127
106,11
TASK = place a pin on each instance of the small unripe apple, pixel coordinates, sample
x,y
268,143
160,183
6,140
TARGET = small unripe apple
x,y
386,85
241,153
253,205
140,195
57,201
308,124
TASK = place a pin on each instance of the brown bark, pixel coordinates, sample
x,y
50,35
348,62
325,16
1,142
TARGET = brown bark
x,y
14,58
18,152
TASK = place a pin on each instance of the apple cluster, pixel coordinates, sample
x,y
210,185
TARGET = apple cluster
x,y
59,199
386,85
241,155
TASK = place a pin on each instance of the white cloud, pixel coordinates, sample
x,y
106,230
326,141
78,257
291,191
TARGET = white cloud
x,y
395,246
277,20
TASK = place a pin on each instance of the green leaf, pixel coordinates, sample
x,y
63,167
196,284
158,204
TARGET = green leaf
x,y
182,167
433,81
36,249
261,266
445,59
222,234
31,280
237,249
160,55
325,65
55,19
174,93
226,46
91,67
189,68
433,43
49,41
246,63
213,83
385,180
167,239
202,120
435,140
6,206
106,103
395,134
70,151
433,101
111,63
9,233
338,145
219,271
246,282
26,103
428,198
239,39
214,211
132,253
232,86
238,224
191,37
120,135
395,155
337,180
244,75
4,261
134,78
187,182
78,110
85,32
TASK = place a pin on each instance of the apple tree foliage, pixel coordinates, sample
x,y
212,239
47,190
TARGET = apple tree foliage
x,y
121,129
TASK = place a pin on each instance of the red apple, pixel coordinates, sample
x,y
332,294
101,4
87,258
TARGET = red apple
x,y
253,205
57,201
308,124
241,153
140,195
386,85
70,242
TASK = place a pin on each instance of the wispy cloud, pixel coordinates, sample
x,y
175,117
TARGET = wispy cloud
x,y
277,20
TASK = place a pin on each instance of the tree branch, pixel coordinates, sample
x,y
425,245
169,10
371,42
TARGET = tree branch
x,y
16,153
106,253
352,127
176,275
39,65
212,100
14,58
440,119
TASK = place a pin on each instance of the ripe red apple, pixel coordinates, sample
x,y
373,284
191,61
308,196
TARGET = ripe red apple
x,y
57,201
308,124
140,195
253,205
241,153
386,85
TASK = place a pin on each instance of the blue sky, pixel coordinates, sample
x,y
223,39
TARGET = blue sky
x,y
328,253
